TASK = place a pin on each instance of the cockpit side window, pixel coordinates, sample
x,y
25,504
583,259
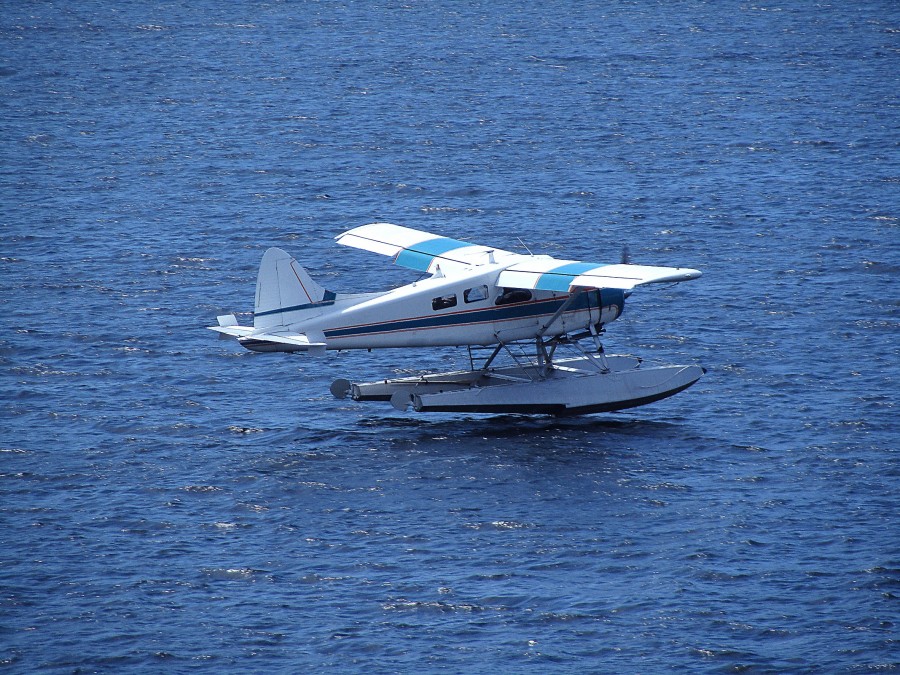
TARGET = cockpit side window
x,y
476,294
443,301
509,296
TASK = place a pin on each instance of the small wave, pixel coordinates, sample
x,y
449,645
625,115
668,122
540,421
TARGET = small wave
x,y
500,525
233,572
40,139
244,430
439,209
256,508
432,606
666,485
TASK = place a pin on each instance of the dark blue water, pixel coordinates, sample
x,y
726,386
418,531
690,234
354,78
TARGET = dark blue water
x,y
173,503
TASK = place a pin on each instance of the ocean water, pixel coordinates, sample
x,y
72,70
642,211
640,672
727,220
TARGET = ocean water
x,y
172,503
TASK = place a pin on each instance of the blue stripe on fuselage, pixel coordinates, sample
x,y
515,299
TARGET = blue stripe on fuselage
x,y
486,315
419,256
613,296
299,308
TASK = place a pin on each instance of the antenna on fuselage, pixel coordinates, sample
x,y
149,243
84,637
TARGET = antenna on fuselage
x,y
524,246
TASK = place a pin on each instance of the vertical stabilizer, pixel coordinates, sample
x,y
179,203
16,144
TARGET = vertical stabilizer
x,y
285,292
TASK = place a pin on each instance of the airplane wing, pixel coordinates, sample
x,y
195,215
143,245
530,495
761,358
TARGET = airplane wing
x,y
549,274
424,251
421,251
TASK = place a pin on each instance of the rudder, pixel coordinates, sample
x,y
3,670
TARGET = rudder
x,y
284,291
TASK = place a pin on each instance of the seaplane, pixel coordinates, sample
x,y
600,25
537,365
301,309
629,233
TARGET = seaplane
x,y
515,313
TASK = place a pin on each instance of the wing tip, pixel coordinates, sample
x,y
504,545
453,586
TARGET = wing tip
x,y
688,274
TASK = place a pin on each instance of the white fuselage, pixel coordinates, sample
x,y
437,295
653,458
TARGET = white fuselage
x,y
439,311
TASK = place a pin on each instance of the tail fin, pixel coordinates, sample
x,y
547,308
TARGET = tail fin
x,y
284,291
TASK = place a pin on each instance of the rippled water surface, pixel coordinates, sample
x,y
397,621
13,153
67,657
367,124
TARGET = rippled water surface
x,y
170,502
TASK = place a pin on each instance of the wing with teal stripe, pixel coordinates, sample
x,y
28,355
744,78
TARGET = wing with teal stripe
x,y
548,274
421,251
424,252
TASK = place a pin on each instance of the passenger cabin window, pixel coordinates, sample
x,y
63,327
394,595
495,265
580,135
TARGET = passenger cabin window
x,y
444,301
511,295
476,294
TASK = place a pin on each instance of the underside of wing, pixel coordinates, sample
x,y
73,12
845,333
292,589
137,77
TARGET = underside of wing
x,y
549,274
421,251
283,342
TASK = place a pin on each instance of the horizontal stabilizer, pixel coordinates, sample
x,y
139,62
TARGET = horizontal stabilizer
x,y
284,342
297,340
232,330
